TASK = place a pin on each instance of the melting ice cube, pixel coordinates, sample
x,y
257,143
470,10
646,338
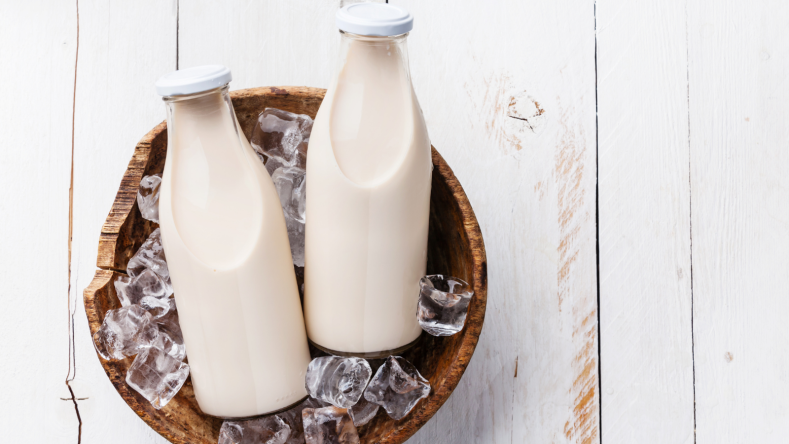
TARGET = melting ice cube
x,y
293,418
443,304
267,430
329,425
291,187
157,376
146,289
124,332
151,256
296,239
170,338
397,386
363,412
148,197
282,136
338,381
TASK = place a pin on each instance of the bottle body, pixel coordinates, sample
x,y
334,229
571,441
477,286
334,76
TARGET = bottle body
x,y
229,259
369,170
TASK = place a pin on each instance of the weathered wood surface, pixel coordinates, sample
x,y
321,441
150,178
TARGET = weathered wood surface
x,y
646,357
37,46
739,169
506,88
455,247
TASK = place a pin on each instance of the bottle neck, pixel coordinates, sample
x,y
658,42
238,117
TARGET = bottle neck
x,y
385,52
206,116
204,105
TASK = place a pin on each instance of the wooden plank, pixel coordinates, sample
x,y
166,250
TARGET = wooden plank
x,y
124,48
530,179
739,90
646,344
269,42
479,71
37,45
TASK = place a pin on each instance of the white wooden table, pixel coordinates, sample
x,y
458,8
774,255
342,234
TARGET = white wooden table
x,y
628,162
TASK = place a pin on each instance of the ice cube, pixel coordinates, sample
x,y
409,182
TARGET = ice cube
x,y
329,425
296,239
146,289
338,381
363,412
268,430
127,293
443,304
156,307
131,289
291,188
151,256
397,386
272,163
124,332
167,344
170,339
148,197
293,418
157,376
282,135
231,432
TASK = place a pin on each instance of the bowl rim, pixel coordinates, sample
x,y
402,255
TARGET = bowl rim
x,y
108,264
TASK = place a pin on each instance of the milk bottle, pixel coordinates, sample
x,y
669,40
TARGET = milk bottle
x,y
368,193
227,250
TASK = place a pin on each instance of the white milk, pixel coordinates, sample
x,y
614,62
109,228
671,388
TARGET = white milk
x,y
227,250
368,202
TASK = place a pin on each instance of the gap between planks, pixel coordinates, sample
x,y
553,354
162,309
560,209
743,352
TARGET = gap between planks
x,y
597,238
72,365
690,222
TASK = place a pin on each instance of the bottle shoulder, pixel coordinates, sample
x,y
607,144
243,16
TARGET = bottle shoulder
x,y
369,143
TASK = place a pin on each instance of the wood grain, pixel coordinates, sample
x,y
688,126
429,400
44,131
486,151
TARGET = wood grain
x,y
739,60
455,247
646,354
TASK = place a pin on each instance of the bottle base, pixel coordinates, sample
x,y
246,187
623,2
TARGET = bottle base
x,y
366,355
273,412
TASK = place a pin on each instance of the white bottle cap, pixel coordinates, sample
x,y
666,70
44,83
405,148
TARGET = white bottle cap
x,y
193,80
374,19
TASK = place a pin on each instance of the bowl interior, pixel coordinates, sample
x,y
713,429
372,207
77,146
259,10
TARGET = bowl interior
x,y
455,247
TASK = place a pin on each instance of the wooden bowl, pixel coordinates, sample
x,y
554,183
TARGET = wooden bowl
x,y
455,247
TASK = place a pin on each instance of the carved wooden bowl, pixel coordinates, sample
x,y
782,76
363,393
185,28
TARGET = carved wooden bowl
x,y
455,247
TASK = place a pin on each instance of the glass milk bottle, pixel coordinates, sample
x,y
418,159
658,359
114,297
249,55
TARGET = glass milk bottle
x,y
227,250
368,193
